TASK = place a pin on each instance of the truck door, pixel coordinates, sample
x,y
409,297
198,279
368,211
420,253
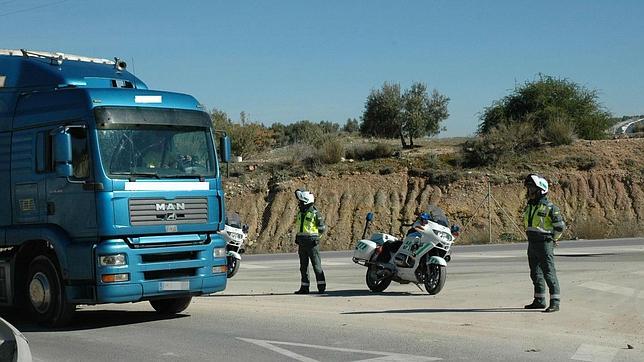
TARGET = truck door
x,y
71,202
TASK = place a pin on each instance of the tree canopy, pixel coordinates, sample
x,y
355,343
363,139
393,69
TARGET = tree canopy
x,y
547,103
390,114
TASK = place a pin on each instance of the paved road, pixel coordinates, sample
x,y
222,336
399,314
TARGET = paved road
x,y
477,316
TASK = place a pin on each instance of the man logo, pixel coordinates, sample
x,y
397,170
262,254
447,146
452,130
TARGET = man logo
x,y
171,206
171,216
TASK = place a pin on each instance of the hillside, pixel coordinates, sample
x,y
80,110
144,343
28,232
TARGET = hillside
x,y
597,184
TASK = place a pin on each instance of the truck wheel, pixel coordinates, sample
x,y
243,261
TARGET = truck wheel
x,y
435,280
373,283
171,305
47,303
233,266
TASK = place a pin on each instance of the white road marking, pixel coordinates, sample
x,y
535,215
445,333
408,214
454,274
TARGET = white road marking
x,y
589,352
484,256
384,356
252,266
628,292
336,263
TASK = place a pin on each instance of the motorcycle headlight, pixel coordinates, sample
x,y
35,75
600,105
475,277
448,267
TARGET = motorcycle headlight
x,y
236,236
443,235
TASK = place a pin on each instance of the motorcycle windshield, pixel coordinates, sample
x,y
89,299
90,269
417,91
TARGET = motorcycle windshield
x,y
438,215
233,219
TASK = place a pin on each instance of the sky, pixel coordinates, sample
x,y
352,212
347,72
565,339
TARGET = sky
x,y
286,61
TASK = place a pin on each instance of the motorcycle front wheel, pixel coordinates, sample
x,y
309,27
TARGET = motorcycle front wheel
x,y
373,283
233,266
435,279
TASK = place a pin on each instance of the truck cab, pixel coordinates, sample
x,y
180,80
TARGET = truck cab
x,y
111,192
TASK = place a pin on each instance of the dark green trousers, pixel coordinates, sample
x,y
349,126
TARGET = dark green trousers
x,y
542,270
311,253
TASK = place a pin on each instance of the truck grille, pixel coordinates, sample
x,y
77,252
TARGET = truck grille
x,y
4,283
163,212
170,274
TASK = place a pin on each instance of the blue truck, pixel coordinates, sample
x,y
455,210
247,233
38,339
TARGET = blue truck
x,y
109,192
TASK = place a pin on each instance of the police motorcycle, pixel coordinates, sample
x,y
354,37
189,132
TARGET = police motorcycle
x,y
235,234
420,257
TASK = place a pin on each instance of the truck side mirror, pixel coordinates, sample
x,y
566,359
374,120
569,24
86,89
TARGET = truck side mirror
x,y
225,148
63,154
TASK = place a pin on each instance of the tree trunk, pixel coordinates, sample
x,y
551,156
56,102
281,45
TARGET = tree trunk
x,y
402,139
411,142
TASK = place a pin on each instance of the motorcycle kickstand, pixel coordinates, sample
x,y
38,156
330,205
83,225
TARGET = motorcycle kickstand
x,y
418,286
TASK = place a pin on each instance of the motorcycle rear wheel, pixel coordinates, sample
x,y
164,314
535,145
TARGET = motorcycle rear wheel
x,y
373,283
435,279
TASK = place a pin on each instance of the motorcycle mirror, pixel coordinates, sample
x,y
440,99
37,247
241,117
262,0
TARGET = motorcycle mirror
x,y
369,216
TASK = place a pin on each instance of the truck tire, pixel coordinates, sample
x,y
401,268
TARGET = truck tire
x,y
46,300
171,305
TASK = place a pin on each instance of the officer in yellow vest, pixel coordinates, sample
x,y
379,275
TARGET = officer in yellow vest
x,y
544,226
310,225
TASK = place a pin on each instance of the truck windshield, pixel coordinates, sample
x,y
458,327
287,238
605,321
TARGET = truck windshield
x,y
157,152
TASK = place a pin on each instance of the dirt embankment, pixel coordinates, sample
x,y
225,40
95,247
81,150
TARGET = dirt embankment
x,y
604,201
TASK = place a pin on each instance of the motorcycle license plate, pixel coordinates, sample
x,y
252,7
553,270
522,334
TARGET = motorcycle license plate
x,y
174,285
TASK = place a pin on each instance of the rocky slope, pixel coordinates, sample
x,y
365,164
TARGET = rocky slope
x,y
605,198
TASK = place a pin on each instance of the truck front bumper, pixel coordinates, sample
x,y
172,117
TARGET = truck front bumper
x,y
160,271
134,292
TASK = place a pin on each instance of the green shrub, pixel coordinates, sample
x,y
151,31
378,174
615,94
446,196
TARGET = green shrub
x,y
582,163
559,133
331,151
366,152
437,177
501,141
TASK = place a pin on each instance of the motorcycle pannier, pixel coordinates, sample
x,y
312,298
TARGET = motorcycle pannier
x,y
363,251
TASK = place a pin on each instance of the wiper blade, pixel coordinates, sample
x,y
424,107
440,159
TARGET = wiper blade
x,y
200,177
135,174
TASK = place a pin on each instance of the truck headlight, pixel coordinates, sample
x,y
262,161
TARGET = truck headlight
x,y
218,252
112,260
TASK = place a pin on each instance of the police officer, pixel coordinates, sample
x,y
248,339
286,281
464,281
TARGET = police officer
x,y
310,225
544,225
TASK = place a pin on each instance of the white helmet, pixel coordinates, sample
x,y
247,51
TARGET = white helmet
x,y
304,196
538,181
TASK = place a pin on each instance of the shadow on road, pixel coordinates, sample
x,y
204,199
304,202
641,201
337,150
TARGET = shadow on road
x,y
365,292
446,310
564,255
258,294
87,319
328,293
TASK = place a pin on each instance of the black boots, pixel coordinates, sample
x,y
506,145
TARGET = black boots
x,y
305,290
552,308
302,290
536,304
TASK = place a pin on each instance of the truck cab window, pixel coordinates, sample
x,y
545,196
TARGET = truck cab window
x,y
80,153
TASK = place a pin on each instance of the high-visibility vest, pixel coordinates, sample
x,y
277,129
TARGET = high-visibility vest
x,y
544,218
307,223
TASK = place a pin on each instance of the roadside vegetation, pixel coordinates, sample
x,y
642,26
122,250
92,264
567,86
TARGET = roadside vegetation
x,y
396,128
